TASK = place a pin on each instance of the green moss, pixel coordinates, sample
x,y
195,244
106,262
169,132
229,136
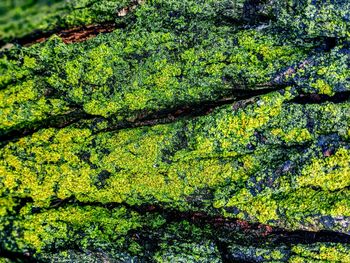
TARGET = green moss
x,y
21,18
171,163
324,74
270,159
136,152
312,19
134,70
262,209
11,69
322,87
331,173
188,252
34,106
264,253
96,225
298,135
321,252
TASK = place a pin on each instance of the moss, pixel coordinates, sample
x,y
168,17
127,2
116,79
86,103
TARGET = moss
x,y
98,75
299,135
317,252
12,69
97,225
322,87
188,252
169,163
91,192
312,19
331,173
21,18
259,254
321,252
262,209
34,107
324,73
137,152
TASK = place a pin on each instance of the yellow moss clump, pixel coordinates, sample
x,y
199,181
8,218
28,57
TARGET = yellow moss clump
x,y
323,87
329,173
261,208
296,135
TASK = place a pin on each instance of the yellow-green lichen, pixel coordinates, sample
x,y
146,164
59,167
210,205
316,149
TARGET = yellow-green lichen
x,y
329,173
322,252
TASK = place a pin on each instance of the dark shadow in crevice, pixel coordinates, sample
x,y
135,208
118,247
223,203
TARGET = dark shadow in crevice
x,y
142,118
314,98
17,257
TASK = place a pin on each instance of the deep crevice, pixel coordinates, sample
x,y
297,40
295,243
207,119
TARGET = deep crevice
x,y
224,230
239,99
17,257
76,34
261,232
59,121
314,98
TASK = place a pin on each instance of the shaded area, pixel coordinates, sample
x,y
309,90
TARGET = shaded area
x,y
339,97
68,36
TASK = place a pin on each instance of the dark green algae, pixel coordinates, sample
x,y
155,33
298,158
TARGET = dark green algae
x,y
76,193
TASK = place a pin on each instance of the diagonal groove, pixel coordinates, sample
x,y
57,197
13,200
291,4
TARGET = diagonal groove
x,y
241,97
262,233
313,98
76,34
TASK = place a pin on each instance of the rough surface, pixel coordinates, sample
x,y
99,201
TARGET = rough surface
x,y
174,131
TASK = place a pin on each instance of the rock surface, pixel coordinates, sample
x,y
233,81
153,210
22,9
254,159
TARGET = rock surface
x,y
174,131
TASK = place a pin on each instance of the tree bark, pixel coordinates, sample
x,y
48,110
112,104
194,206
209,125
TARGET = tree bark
x,y
174,131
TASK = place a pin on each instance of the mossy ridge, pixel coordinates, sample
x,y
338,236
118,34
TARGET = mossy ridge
x,y
272,161
307,19
98,77
314,19
74,225
88,228
325,73
145,237
113,233
240,152
296,253
221,69
63,14
119,234
321,253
